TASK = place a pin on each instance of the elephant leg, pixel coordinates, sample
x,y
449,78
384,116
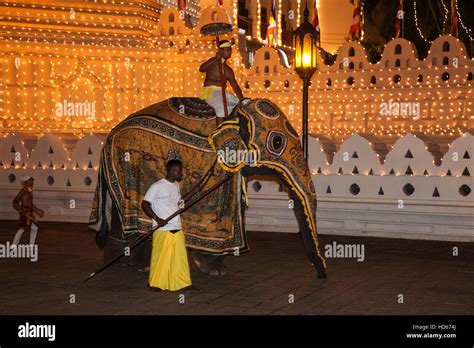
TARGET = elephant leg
x,y
113,248
142,254
312,254
139,256
115,243
208,264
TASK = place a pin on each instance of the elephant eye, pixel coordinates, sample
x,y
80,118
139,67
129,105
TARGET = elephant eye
x,y
276,142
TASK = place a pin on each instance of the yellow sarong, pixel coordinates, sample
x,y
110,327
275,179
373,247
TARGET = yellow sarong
x,y
169,268
207,91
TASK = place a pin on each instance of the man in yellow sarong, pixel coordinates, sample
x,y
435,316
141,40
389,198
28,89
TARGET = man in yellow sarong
x,y
169,268
212,92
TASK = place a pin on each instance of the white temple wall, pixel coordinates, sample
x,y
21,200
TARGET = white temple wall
x,y
435,202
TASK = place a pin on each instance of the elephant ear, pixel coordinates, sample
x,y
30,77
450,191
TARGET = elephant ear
x,y
229,146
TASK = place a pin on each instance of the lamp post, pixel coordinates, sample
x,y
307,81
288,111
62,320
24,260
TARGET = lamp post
x,y
304,41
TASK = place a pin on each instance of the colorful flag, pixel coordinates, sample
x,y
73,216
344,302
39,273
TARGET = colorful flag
x,y
181,5
454,19
316,24
271,38
399,20
354,32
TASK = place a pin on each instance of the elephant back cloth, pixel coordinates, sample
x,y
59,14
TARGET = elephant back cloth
x,y
134,156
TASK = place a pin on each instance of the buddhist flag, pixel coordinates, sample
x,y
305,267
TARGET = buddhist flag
x,y
354,32
399,20
181,5
454,19
270,39
316,24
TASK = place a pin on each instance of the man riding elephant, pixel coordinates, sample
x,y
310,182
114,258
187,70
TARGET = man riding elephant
x,y
217,76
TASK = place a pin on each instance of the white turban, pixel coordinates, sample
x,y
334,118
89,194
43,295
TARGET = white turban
x,y
26,177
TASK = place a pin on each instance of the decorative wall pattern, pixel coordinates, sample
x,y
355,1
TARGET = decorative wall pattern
x,y
407,192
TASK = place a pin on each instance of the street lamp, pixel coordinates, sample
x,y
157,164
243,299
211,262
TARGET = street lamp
x,y
304,41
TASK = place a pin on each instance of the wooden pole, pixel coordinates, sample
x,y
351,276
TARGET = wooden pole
x,y
223,82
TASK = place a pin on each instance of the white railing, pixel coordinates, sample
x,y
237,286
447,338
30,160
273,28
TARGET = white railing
x,y
357,195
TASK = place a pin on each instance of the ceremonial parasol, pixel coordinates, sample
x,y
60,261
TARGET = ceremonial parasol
x,y
216,29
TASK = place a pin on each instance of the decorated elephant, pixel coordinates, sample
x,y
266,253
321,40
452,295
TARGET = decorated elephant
x,y
257,140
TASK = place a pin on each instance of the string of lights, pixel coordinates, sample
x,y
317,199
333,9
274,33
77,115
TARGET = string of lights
x,y
124,79
466,29
415,13
259,20
445,19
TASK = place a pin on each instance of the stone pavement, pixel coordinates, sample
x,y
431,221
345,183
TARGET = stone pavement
x,y
273,278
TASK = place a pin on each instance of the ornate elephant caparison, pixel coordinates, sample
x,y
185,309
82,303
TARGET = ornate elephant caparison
x,y
135,153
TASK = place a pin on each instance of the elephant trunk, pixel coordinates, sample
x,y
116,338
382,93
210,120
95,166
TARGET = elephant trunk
x,y
305,212
304,206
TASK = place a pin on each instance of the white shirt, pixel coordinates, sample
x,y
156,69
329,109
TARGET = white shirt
x,y
164,197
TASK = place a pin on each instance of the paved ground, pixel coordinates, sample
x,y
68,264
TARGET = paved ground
x,y
264,281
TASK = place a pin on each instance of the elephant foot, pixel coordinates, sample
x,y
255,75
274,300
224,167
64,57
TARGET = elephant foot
x,y
221,268
199,262
214,272
218,271
211,265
